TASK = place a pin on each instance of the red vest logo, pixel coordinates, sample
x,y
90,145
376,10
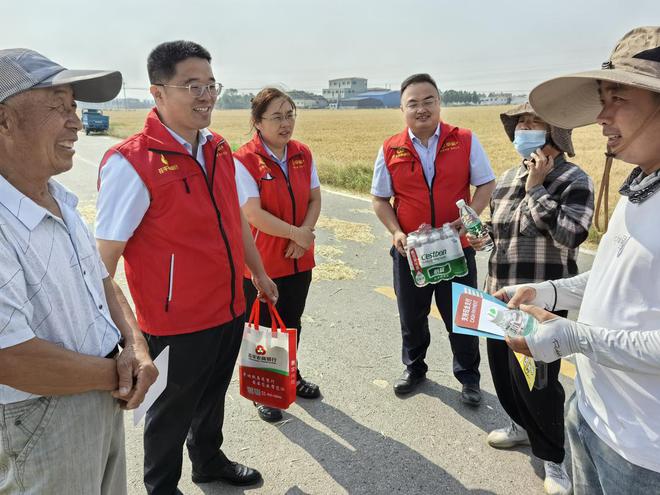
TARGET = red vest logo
x,y
297,163
167,167
401,153
260,350
263,167
450,145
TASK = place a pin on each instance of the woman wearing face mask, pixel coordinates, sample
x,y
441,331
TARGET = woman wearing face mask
x,y
541,211
280,195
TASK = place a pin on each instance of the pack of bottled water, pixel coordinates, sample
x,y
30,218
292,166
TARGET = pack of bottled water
x,y
435,255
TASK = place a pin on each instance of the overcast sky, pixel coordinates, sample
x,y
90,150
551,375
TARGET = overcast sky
x,y
508,45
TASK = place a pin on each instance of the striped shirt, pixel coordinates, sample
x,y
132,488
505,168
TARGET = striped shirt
x,y
51,282
537,233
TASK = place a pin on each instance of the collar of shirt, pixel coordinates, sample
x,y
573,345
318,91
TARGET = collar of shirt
x,y
204,136
26,210
433,139
273,156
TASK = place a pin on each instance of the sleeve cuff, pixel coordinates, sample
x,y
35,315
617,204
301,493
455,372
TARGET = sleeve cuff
x,y
537,192
16,336
483,180
545,294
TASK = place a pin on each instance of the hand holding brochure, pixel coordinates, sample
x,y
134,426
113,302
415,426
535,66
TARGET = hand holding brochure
x,y
472,308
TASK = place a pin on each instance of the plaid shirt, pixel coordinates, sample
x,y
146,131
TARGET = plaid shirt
x,y
537,234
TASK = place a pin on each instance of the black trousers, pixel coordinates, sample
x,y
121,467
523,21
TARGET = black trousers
x,y
293,290
192,407
414,306
539,411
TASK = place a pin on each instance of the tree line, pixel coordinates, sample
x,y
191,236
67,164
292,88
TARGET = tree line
x,y
232,99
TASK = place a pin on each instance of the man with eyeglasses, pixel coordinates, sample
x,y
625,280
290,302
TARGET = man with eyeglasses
x,y
426,169
168,204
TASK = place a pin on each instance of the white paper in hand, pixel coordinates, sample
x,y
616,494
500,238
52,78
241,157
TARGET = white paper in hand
x,y
161,363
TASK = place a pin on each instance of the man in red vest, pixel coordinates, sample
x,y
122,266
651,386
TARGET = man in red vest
x,y
168,204
426,169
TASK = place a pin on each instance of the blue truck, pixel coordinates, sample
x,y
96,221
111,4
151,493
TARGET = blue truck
x,y
94,121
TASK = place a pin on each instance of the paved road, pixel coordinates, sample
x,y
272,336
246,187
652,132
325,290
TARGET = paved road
x,y
360,438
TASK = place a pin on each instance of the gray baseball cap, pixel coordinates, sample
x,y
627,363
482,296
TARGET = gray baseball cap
x,y
22,69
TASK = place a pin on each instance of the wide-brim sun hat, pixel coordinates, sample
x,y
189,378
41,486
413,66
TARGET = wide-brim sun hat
x,y
22,70
573,100
560,137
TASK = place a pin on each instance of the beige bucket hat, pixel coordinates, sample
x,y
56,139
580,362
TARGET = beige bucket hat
x,y
560,137
573,101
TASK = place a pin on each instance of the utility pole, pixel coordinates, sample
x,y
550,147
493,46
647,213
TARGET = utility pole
x,y
125,102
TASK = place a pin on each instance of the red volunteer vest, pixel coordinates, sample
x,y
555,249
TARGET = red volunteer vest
x,y
284,198
415,202
184,261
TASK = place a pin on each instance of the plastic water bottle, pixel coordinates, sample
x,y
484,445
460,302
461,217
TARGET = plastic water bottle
x,y
473,224
457,261
412,245
517,323
514,322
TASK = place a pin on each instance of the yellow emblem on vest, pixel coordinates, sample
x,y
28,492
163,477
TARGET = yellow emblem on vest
x,y
167,167
297,163
450,145
401,153
263,167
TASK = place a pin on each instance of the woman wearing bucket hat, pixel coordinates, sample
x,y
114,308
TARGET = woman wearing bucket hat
x,y
612,422
541,211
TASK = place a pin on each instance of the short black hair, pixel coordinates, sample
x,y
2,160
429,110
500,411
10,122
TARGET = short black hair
x,y
161,64
418,78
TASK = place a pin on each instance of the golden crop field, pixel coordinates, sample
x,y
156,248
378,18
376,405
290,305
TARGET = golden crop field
x,y
345,142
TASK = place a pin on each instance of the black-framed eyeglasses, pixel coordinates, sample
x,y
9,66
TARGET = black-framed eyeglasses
x,y
197,90
427,104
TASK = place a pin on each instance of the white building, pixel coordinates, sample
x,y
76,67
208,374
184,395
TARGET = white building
x,y
346,87
496,99
303,99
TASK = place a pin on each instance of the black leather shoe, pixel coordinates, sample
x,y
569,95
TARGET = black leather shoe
x,y
233,473
408,381
270,414
471,395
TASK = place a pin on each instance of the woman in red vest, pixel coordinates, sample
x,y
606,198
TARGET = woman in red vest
x,y
279,192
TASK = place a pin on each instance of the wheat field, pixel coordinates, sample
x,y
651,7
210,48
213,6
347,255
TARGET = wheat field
x,y
345,142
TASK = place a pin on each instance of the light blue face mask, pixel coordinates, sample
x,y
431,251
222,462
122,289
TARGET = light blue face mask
x,y
527,142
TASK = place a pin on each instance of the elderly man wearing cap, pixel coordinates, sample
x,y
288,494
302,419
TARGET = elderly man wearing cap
x,y
541,211
613,422
61,315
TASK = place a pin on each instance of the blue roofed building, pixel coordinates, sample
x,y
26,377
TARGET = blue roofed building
x,y
352,92
373,98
